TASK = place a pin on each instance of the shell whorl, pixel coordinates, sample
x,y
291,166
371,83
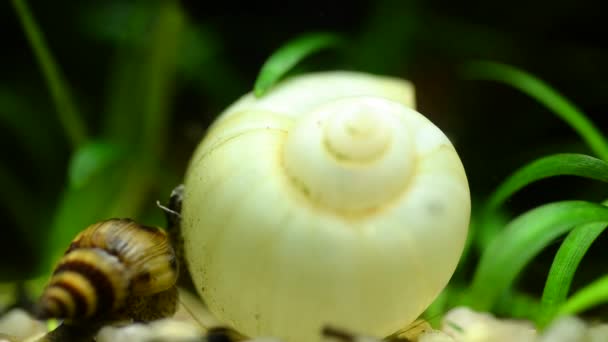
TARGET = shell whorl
x,y
351,155
105,264
86,282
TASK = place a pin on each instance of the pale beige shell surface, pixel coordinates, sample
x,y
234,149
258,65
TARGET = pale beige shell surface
x,y
328,201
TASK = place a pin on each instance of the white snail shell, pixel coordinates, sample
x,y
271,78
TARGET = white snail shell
x,y
327,201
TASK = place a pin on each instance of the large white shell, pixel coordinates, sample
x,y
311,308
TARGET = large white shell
x,y
327,201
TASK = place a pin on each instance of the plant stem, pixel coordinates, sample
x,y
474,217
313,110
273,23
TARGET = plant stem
x,y
68,114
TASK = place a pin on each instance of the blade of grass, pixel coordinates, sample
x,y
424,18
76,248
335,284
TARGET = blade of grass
x,y
563,268
563,164
159,77
521,240
517,305
591,295
123,190
78,208
69,117
288,55
128,74
92,158
546,95
161,69
487,225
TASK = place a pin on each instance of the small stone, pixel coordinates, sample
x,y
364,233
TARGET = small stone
x,y
598,333
435,336
7,338
460,319
165,329
129,333
565,329
35,337
173,329
20,324
463,324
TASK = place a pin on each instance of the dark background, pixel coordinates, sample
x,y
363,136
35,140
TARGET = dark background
x,y
494,127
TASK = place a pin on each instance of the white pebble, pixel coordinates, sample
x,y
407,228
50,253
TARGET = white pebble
x,y
20,324
598,333
129,333
565,329
170,328
435,336
164,329
465,325
461,319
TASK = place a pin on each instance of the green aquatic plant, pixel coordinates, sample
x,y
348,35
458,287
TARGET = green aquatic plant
x,y
114,171
513,246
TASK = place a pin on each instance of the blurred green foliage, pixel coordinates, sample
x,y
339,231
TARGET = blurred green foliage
x,y
123,92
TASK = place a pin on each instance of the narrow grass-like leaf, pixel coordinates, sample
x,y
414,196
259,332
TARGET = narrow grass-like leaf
x,y
69,117
145,71
564,266
521,240
123,190
570,164
546,95
79,207
517,305
90,159
287,56
591,295
158,81
487,225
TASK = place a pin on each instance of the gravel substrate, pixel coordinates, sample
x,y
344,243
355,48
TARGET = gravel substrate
x,y
459,325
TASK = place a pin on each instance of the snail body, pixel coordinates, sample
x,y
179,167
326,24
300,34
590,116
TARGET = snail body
x,y
113,269
329,201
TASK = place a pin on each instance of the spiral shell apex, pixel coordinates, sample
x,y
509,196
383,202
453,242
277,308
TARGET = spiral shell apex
x,y
328,201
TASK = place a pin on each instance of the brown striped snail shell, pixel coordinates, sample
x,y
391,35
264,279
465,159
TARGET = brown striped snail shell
x,y
113,268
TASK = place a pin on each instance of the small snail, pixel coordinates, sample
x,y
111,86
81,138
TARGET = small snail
x,y
117,270
329,201
113,269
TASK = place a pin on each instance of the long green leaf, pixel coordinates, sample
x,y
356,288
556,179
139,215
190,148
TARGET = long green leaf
x,y
78,207
287,56
554,165
123,189
546,95
517,305
523,239
591,295
92,158
69,117
158,81
563,268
